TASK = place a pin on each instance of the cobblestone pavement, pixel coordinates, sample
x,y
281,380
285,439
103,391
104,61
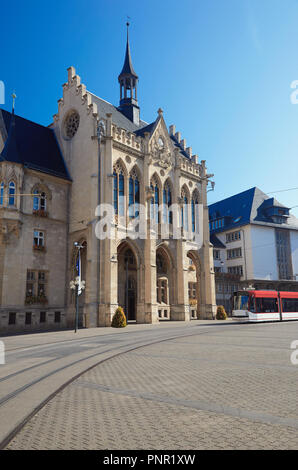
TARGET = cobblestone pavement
x,y
233,388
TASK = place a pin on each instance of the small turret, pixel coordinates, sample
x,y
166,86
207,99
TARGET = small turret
x,y
128,81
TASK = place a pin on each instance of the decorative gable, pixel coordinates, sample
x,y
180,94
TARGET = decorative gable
x,y
160,145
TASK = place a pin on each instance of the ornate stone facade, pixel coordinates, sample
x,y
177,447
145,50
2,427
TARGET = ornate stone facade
x,y
128,162
123,270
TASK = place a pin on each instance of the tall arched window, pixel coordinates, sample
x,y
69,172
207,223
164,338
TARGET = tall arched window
x,y
167,202
11,193
134,194
194,214
154,210
184,210
118,190
1,194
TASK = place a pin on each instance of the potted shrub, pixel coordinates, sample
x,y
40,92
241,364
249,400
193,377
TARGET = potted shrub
x,y
41,299
40,212
221,313
119,319
38,247
29,299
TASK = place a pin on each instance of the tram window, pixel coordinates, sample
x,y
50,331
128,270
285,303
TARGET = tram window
x,y
252,305
290,305
241,302
244,302
264,305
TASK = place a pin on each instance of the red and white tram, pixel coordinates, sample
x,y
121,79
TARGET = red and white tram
x,y
265,305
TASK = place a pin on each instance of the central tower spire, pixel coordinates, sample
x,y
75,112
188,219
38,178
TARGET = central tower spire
x,y
128,81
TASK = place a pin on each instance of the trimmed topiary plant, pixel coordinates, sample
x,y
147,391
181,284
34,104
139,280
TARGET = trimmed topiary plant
x,y
221,313
119,319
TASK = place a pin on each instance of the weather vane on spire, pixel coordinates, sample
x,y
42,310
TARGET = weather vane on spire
x,y
13,99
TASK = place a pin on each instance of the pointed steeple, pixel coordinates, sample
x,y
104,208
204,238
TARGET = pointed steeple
x,y
10,151
128,81
127,66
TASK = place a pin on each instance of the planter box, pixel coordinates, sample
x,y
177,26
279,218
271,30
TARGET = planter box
x,y
40,213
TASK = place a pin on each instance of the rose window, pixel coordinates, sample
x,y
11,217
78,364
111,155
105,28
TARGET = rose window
x,y
72,124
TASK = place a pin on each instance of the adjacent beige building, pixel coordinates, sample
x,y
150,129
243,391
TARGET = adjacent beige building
x,y
98,154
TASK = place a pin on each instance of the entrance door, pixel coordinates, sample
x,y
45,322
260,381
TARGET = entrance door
x,y
131,307
127,281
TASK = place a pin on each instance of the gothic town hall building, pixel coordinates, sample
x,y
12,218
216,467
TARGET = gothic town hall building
x,y
53,178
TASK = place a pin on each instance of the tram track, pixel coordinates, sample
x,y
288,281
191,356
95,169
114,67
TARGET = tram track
x,y
106,335
36,381
124,349
131,346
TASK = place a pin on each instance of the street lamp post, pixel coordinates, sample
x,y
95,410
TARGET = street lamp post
x,y
126,288
78,285
223,284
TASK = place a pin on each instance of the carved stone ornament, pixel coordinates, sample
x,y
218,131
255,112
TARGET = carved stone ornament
x,y
9,228
149,192
161,153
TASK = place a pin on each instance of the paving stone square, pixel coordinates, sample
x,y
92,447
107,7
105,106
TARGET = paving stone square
x,y
225,389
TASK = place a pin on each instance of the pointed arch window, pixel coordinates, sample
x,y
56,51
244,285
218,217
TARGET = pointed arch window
x,y
194,214
134,195
154,209
167,202
11,193
184,210
118,190
1,194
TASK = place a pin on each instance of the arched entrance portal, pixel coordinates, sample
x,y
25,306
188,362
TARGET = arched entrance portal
x,y
163,284
194,285
127,281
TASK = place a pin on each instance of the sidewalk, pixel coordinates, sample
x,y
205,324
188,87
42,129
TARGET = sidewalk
x,y
33,339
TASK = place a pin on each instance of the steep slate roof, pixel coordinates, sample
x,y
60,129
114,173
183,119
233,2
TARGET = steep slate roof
x,y
32,145
216,242
150,128
176,143
247,208
10,151
118,118
122,121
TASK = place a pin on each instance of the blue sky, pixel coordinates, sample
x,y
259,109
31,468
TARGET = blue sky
x,y
220,69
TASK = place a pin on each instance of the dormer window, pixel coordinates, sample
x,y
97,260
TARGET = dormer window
x,y
274,212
